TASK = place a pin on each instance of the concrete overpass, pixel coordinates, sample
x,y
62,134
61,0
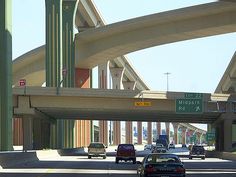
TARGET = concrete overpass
x,y
193,28
100,104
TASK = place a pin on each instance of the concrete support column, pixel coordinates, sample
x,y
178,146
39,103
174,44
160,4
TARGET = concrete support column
x,y
117,75
102,83
183,129
149,132
82,127
227,134
6,75
103,132
158,125
140,132
116,133
128,132
129,85
168,129
27,133
53,46
176,128
53,64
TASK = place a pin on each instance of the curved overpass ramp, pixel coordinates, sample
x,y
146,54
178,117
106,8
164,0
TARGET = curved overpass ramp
x,y
100,44
95,46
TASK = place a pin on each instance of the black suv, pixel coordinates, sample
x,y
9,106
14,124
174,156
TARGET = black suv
x,y
197,151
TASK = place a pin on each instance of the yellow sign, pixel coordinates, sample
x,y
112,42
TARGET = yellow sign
x,y
142,103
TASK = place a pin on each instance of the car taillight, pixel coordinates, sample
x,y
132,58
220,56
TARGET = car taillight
x,y
180,170
150,168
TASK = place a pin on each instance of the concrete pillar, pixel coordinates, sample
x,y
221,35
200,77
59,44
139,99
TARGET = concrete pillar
x,y
158,125
69,8
103,84
117,75
140,132
116,133
6,75
228,134
53,42
82,127
149,132
176,128
129,85
53,64
128,132
183,129
27,133
168,129
103,132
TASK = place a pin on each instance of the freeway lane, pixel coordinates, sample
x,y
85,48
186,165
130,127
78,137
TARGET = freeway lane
x,y
81,166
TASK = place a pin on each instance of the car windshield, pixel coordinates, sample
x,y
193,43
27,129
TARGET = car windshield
x,y
154,158
96,145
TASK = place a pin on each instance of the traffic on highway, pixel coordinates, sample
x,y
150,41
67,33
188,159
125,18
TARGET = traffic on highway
x,y
174,162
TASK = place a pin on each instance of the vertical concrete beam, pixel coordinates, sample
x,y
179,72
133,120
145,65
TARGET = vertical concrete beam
x,y
69,8
129,85
27,133
149,132
176,128
117,75
128,132
53,42
53,64
116,133
228,134
168,129
140,132
83,127
103,84
158,125
6,75
183,129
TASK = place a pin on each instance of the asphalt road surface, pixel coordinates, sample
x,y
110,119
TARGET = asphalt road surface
x,y
81,166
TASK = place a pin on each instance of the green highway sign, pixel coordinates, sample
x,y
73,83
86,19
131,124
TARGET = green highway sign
x,y
188,105
193,95
193,139
210,136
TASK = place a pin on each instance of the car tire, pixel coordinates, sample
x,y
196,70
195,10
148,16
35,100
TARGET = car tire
x,y
89,157
104,157
203,158
117,161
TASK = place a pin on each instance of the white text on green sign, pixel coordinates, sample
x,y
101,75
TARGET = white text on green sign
x,y
193,95
188,106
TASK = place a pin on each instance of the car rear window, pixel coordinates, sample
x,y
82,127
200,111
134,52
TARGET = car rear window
x,y
126,147
96,145
198,148
162,159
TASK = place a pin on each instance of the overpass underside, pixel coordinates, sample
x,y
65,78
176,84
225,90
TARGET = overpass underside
x,y
100,104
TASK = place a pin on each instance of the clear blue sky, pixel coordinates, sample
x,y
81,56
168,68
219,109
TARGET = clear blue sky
x,y
195,65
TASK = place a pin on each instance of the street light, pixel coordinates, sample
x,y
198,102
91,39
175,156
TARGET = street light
x,y
167,81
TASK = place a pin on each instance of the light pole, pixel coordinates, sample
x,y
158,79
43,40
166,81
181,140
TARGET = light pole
x,y
167,80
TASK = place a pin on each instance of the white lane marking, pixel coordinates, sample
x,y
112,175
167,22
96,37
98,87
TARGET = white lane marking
x,y
87,171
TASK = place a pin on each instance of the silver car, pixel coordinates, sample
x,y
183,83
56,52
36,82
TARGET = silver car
x,y
97,149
